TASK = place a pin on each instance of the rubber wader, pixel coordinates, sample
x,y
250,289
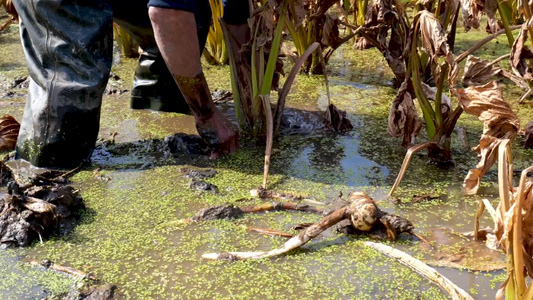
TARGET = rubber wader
x,y
68,47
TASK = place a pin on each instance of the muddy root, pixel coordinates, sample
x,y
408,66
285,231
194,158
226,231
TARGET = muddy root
x,y
219,212
362,214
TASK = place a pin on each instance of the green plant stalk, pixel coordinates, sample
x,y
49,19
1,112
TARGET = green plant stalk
x,y
437,10
237,100
438,99
302,36
255,84
273,56
428,112
506,18
295,36
363,4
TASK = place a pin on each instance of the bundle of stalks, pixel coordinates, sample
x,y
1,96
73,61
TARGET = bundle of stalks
x,y
513,226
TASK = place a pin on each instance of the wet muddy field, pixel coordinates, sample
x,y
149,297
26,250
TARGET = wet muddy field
x,y
136,193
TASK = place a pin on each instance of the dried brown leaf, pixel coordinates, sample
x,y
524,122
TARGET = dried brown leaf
x,y
500,122
10,9
493,24
403,118
520,54
479,71
472,11
433,35
9,131
330,31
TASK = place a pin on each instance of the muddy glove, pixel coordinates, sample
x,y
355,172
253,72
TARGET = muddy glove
x,y
214,128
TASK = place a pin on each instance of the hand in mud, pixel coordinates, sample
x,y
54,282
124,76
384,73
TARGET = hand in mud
x,y
219,133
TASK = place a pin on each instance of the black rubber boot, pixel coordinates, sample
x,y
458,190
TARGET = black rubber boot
x,y
154,87
69,70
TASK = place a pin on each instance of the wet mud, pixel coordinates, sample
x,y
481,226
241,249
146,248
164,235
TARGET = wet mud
x,y
37,213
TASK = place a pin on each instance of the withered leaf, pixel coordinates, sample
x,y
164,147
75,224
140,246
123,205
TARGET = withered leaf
x,y
10,8
9,131
434,41
330,31
403,118
520,54
493,24
479,71
336,120
500,122
433,35
472,11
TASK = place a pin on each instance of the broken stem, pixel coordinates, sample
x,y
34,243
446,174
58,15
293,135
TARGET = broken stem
x,y
293,243
483,42
406,162
421,268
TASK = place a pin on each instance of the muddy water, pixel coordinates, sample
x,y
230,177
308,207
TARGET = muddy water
x,y
130,235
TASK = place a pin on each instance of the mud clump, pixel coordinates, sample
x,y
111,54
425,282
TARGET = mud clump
x,y
203,186
37,212
187,144
220,212
93,292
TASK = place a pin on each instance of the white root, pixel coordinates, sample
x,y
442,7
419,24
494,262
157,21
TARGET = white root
x,y
422,269
293,243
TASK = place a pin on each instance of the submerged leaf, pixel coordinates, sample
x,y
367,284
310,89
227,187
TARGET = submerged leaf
x,y
335,119
500,122
9,131
403,118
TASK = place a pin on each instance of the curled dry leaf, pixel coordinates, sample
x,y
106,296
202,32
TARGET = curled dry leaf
x,y
10,8
382,16
500,122
520,54
479,71
330,31
493,24
403,119
9,131
434,41
472,11
433,35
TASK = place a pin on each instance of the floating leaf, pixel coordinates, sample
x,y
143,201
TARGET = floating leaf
x,y
9,131
335,119
500,122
